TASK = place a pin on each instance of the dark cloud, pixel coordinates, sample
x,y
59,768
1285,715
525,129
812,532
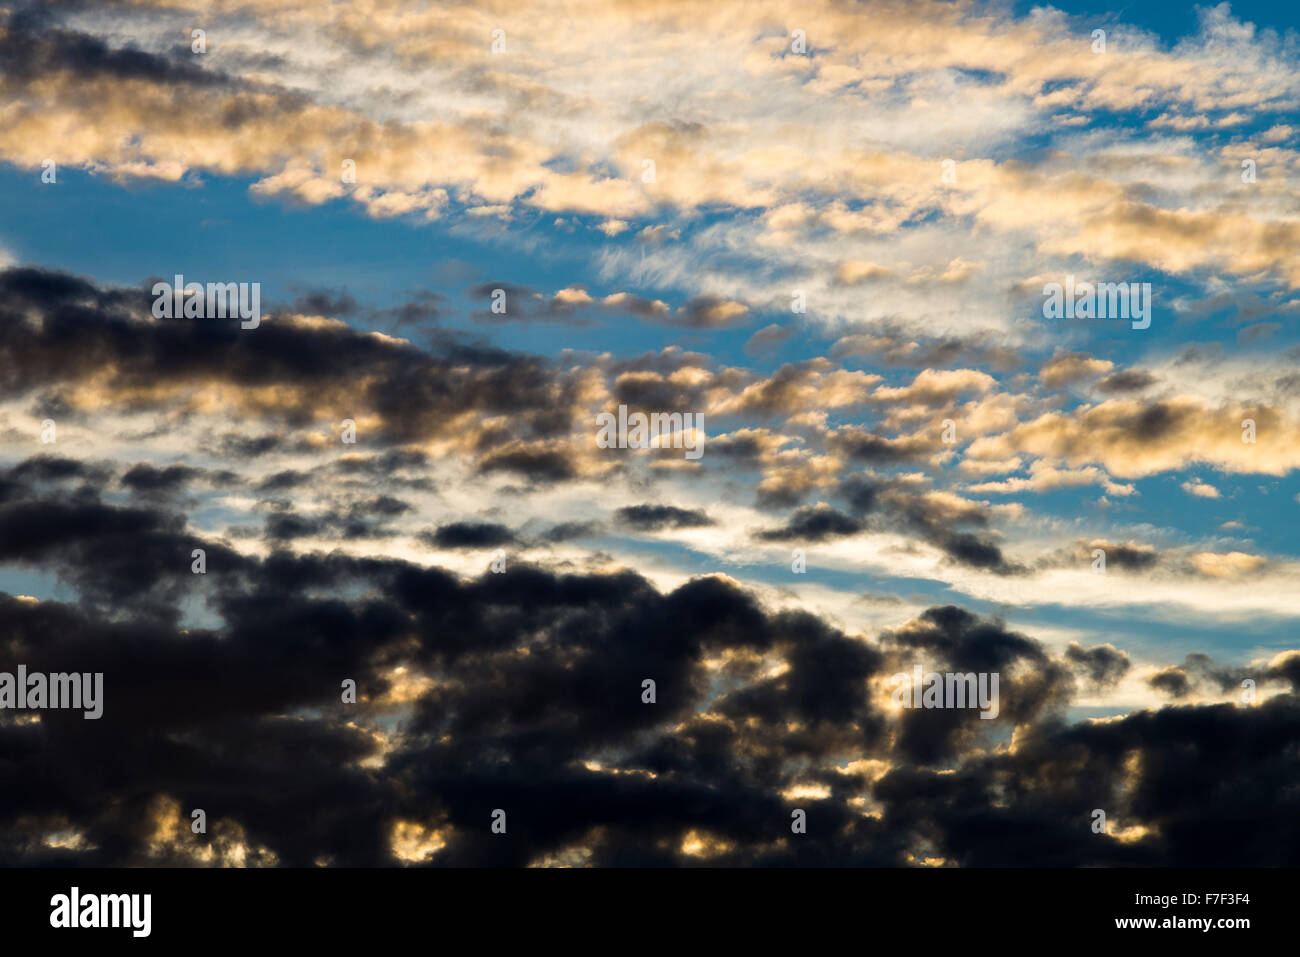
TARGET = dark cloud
x,y
1172,681
247,447
389,462
536,465
368,518
711,312
284,481
1032,687
148,479
56,469
1129,380
536,698
638,306
784,391
1157,420
1200,672
655,518
523,690
861,492
56,329
1060,773
421,307
863,446
567,531
813,524
881,504
652,393
1130,556
112,554
1103,665
30,50
470,535
939,523
326,302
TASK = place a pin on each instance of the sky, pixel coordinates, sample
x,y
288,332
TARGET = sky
x,y
825,232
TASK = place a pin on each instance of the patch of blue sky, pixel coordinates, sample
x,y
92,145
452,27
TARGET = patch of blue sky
x,y
218,232
1171,21
23,580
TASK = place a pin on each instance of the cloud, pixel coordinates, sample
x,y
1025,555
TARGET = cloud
x,y
1067,368
1104,665
711,312
654,518
814,524
1200,489
508,685
1131,439
470,535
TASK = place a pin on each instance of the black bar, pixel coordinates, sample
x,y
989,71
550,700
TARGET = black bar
x,y
954,906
